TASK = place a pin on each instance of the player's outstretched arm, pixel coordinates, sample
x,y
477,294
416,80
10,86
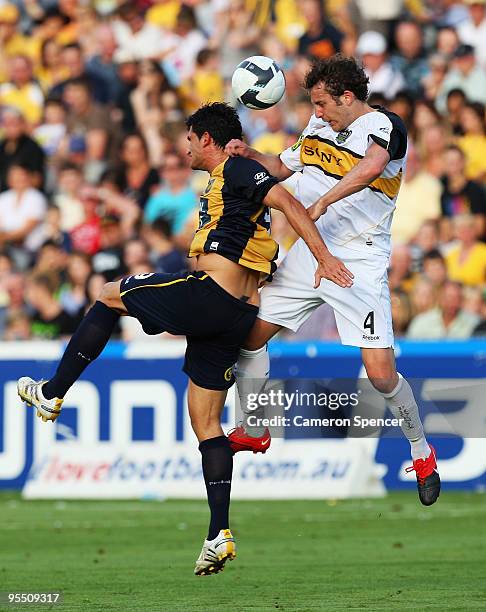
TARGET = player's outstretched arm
x,y
328,266
365,172
272,163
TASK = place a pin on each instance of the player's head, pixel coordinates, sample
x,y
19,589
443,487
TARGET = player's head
x,y
336,86
210,129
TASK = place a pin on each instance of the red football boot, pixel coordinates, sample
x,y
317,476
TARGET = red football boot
x,y
428,480
241,441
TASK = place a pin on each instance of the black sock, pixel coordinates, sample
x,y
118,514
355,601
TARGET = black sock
x,y
217,463
86,345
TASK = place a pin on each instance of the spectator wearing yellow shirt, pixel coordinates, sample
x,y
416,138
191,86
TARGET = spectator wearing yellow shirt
x,y
12,42
163,13
473,143
466,262
206,84
418,200
22,92
274,139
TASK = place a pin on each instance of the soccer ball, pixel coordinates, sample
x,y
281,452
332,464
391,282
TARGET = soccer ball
x,y
258,82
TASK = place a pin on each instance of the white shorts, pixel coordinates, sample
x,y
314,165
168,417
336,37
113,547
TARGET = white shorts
x,y
363,311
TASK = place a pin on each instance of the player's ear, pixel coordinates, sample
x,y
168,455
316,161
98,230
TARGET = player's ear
x,y
348,97
206,139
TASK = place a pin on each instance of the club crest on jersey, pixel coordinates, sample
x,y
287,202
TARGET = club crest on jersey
x,y
343,136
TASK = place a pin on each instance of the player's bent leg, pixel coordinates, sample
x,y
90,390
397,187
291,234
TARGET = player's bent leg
x,y
85,346
205,408
251,372
381,370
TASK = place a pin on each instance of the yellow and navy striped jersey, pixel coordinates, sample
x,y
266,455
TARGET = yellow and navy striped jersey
x,y
233,221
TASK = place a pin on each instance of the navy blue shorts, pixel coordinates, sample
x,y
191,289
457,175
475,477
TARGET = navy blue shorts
x,y
192,304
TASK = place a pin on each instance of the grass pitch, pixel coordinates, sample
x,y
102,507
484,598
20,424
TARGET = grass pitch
x,y
388,554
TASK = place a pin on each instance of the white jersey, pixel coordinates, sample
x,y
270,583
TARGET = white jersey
x,y
360,221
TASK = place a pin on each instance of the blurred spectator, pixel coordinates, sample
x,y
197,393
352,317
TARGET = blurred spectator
x,y
175,201
50,229
448,320
447,42
51,69
50,134
94,286
464,74
136,257
321,39
456,101
238,36
133,35
109,259
274,137
90,123
21,91
126,68
206,84
18,327
12,40
134,177
180,47
22,208
17,147
49,320
409,58
67,198
401,312
165,256
378,16
86,237
473,31
154,103
432,143
424,241
434,77
423,296
383,77
163,13
473,142
102,65
72,296
460,195
466,262
434,268
399,274
472,298
51,259
418,199
73,60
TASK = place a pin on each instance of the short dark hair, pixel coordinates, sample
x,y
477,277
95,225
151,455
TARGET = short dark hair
x,y
338,74
433,254
219,120
162,225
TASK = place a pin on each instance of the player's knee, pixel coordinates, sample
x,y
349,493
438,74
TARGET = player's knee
x,y
384,383
110,294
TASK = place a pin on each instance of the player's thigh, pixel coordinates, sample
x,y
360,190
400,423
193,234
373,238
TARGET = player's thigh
x,y
205,407
260,334
363,311
289,300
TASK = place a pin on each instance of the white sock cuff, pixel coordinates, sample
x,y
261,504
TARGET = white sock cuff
x,y
246,354
396,389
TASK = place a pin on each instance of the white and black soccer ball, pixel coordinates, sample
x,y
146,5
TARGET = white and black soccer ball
x,y
258,82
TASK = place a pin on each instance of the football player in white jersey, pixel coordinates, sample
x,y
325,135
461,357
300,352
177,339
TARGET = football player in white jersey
x,y
351,157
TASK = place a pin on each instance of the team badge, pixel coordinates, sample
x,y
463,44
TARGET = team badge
x,y
228,375
343,136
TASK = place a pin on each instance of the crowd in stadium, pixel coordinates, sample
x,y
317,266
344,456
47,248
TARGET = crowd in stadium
x,y
94,177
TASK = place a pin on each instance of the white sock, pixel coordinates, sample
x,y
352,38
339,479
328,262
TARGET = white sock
x,y
251,372
403,406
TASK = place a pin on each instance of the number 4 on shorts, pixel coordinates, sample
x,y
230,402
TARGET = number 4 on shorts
x,y
369,322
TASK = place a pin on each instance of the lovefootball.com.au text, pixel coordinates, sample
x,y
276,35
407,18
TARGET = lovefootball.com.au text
x,y
299,421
